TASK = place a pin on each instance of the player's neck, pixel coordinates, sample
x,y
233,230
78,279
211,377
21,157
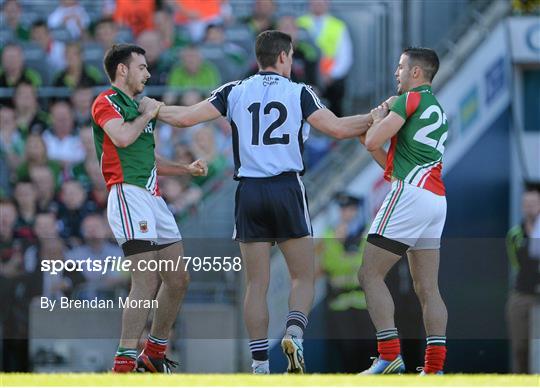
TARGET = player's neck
x,y
123,87
272,69
420,83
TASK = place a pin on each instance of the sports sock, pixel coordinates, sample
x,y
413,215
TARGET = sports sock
x,y
155,347
435,354
388,344
125,360
296,323
259,349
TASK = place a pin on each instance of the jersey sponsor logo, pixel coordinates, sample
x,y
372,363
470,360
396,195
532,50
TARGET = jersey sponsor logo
x,y
269,80
143,226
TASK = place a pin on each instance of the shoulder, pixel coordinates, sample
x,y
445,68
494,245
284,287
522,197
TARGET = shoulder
x,y
406,104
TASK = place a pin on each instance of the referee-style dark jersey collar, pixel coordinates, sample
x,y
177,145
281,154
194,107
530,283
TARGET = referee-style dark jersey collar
x,y
421,88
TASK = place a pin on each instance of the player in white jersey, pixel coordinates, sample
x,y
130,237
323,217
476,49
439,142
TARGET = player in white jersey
x,y
270,117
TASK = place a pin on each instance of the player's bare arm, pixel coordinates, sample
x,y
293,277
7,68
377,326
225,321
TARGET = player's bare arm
x,y
169,167
187,116
124,133
385,125
379,155
339,127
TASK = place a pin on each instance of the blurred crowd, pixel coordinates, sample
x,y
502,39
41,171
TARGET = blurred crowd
x,y
52,194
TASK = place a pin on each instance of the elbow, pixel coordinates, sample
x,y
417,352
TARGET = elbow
x,y
120,142
340,134
372,145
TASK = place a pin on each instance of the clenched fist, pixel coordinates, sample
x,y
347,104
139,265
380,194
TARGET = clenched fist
x,y
149,106
198,168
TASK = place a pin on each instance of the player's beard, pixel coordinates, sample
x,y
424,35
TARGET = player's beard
x,y
136,86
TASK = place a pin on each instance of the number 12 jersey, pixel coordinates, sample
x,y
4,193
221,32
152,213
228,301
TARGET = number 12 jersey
x,y
268,115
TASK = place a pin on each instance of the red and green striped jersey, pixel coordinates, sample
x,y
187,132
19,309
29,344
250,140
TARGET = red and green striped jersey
x,y
415,154
134,164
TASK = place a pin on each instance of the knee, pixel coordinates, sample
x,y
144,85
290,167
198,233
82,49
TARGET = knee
x,y
147,283
258,285
423,291
177,281
364,276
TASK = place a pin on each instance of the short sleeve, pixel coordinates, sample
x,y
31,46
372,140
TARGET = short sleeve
x,y
406,104
219,97
309,102
399,106
104,110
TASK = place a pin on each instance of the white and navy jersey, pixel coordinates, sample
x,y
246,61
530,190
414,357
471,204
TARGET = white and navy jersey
x,y
268,115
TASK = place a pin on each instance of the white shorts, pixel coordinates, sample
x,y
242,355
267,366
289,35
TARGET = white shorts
x,y
412,216
135,214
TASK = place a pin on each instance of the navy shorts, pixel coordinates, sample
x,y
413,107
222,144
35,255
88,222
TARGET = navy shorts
x,y
271,209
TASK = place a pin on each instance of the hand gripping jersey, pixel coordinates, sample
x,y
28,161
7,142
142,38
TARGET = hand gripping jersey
x,y
268,115
134,164
415,154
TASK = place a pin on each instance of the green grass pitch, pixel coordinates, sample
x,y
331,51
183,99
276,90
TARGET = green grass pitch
x,y
232,380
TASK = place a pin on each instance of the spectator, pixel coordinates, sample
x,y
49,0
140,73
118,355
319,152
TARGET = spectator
x,y
158,67
98,190
13,311
169,37
204,147
97,248
72,16
80,171
341,257
13,70
525,292
197,15
62,144
11,142
180,194
26,199
54,49
11,18
194,72
81,100
262,18
30,118
35,154
135,14
73,207
49,245
106,32
77,73
215,37
306,54
43,179
332,36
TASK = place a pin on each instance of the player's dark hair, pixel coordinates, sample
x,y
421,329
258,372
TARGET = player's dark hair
x,y
269,45
117,54
426,58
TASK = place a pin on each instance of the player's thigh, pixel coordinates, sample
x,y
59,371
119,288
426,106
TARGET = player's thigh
x,y
299,254
256,258
166,226
171,265
376,262
130,215
424,268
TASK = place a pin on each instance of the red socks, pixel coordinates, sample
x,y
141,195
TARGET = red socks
x,y
435,354
388,344
155,347
123,364
389,349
